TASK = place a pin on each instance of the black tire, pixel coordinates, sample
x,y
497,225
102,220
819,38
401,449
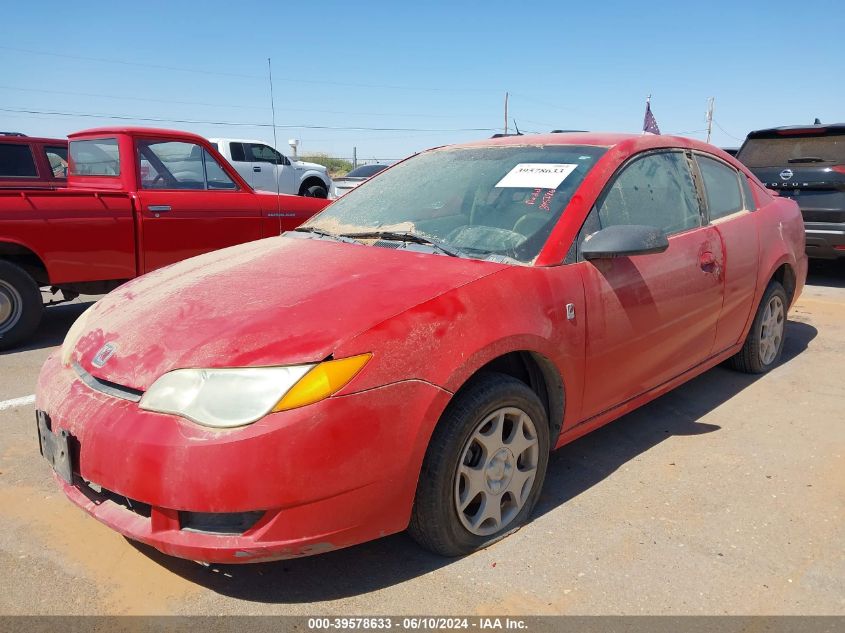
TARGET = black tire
x,y
315,191
21,305
435,522
749,359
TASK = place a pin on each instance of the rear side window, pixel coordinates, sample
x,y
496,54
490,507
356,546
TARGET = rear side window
x,y
17,161
654,190
721,184
792,150
747,193
237,152
99,157
57,159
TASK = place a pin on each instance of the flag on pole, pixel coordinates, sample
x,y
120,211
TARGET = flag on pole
x,y
649,122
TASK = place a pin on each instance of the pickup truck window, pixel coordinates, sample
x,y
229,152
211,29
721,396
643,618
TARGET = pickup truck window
x,y
180,165
98,157
264,154
17,160
57,158
237,152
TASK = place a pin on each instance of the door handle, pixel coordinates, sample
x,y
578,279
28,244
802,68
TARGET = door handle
x,y
159,208
256,168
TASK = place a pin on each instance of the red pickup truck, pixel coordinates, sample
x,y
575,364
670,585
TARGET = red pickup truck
x,y
136,199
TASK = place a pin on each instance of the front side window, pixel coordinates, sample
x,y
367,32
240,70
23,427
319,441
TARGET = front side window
x,y
57,159
179,165
263,154
479,201
721,185
16,161
654,190
98,157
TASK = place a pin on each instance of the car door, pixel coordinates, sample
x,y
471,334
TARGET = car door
x,y
269,165
730,204
189,204
650,317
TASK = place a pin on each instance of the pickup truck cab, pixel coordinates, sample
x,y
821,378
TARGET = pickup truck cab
x,y
137,199
267,169
26,161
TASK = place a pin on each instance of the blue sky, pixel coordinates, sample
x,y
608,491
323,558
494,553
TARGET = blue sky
x,y
422,66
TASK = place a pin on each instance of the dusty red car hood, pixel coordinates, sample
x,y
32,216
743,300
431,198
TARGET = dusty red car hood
x,y
277,301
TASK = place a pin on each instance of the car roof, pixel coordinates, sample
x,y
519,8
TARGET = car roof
x,y
226,139
137,131
629,142
20,140
796,130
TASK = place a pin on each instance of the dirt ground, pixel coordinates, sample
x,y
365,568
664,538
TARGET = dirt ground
x,y
726,496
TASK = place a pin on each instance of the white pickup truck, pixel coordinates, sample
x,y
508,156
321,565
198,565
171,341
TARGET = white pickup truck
x,y
263,167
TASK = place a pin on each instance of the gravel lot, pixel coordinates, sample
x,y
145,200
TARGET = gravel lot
x,y
726,496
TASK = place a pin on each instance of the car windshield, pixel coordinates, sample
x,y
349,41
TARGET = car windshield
x,y
474,201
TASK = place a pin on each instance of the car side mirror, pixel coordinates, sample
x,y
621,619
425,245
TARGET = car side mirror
x,y
624,240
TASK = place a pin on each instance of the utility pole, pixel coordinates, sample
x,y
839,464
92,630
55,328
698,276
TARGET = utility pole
x,y
711,103
354,157
506,114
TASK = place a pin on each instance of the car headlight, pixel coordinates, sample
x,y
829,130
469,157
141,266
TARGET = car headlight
x,y
227,398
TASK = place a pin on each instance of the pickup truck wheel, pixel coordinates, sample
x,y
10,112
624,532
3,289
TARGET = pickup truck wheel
x,y
484,467
21,305
764,343
315,191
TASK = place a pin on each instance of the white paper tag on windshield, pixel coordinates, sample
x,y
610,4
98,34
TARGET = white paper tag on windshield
x,y
537,175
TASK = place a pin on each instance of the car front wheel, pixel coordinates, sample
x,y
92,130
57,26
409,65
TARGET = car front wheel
x,y
484,468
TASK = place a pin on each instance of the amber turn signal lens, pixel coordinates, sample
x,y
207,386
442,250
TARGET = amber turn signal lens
x,y
322,381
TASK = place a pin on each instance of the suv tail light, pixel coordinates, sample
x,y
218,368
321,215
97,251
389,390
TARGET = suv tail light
x,y
839,168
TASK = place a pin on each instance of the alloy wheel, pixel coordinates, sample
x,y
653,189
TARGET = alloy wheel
x,y
771,330
496,471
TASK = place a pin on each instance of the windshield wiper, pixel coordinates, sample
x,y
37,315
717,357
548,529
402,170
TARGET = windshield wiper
x,y
405,236
806,159
322,233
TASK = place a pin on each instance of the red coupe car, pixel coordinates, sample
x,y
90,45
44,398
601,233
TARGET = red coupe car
x,y
408,357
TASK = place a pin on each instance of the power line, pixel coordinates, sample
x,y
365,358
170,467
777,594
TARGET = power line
x,y
122,117
221,105
736,138
246,76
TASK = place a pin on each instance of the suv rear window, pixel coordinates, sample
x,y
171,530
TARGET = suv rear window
x,y
777,152
17,160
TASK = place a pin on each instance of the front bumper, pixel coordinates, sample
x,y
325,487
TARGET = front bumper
x,y
333,474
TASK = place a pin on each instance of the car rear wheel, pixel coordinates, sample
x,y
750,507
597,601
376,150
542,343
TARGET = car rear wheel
x,y
21,305
764,344
484,467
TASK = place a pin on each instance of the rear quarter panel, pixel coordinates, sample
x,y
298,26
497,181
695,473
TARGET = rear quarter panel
x,y
781,231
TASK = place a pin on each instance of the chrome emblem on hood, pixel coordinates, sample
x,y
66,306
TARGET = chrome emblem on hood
x,y
105,353
786,174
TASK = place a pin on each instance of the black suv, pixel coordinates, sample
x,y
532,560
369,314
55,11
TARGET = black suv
x,y
805,163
